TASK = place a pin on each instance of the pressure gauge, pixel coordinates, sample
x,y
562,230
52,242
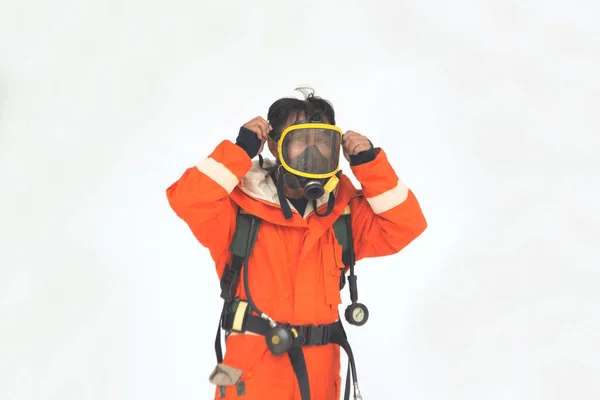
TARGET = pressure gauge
x,y
357,314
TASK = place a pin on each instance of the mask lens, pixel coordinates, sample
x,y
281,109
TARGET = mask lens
x,y
312,150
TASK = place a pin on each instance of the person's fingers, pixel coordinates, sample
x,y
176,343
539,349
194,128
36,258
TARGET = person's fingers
x,y
353,142
261,129
251,125
360,147
262,122
357,145
266,128
346,145
348,136
259,126
350,143
351,134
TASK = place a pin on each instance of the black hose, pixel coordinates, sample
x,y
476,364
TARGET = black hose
x,y
352,260
246,257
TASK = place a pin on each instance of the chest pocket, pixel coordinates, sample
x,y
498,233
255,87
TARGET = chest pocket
x,y
333,268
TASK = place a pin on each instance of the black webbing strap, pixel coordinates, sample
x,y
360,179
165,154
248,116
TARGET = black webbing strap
x,y
231,276
252,324
309,335
330,206
299,365
232,273
341,228
218,349
343,233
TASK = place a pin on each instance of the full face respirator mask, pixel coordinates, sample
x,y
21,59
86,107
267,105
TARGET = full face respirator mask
x,y
309,153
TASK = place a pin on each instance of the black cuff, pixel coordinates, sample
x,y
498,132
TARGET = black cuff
x,y
363,157
248,141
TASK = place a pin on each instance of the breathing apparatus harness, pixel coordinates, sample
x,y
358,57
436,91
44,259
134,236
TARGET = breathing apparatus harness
x,y
237,315
356,314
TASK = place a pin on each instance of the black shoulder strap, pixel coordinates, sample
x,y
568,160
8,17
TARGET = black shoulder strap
x,y
343,232
231,275
242,229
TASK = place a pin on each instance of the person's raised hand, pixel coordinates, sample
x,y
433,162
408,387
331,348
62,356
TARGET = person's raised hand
x,y
354,143
261,128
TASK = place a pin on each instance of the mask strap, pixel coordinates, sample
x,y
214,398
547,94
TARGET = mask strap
x,y
285,207
330,205
312,115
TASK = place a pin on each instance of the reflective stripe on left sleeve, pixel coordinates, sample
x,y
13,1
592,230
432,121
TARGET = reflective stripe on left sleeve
x,y
390,199
218,173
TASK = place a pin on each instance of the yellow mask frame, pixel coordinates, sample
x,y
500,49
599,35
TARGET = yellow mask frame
x,y
333,179
310,125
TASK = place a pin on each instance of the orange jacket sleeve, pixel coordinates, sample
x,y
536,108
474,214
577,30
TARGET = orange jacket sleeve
x,y
200,197
387,216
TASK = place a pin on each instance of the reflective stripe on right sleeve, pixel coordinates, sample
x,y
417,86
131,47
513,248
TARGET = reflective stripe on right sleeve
x,y
218,173
390,199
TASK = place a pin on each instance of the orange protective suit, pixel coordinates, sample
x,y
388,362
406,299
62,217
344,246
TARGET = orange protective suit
x,y
294,270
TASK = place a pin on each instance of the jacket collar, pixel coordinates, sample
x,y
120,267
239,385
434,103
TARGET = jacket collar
x,y
257,194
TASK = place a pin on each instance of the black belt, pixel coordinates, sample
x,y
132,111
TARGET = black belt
x,y
309,335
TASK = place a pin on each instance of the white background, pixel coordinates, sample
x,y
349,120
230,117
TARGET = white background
x,y
489,111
